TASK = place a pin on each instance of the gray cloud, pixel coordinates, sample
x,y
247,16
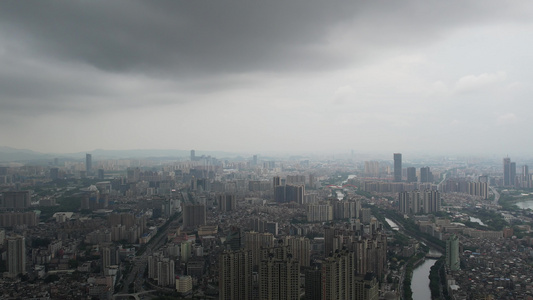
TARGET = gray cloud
x,y
182,38
303,60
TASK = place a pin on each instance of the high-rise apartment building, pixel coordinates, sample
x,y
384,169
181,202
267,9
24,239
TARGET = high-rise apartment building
x,y
319,212
88,163
15,199
346,209
452,253
193,155
300,248
254,241
227,202
366,287
279,274
194,215
235,275
371,168
397,167
16,255
338,276
313,284
414,202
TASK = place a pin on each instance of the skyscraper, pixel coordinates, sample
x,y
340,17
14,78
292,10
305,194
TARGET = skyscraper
x,y
512,175
397,167
506,171
235,275
279,274
426,175
254,241
88,163
338,276
411,174
194,215
452,253
16,255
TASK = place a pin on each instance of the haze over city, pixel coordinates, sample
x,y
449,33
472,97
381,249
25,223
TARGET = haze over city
x,y
298,76
271,150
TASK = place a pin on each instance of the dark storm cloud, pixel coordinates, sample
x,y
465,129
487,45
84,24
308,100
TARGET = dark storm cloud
x,y
57,54
190,37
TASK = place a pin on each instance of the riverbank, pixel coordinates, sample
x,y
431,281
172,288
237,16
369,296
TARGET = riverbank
x,y
410,266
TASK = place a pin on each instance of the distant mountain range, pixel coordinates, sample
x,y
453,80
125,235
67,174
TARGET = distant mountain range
x,y
8,154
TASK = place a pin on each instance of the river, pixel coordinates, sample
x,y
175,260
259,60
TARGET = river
x,y
420,281
393,225
525,204
477,220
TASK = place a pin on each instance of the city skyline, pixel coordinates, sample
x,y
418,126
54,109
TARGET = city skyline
x,y
302,76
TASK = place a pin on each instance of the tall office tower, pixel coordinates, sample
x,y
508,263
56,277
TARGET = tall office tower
x,y
397,167
300,249
425,175
276,181
411,174
194,215
338,276
279,194
227,202
254,160
525,173
512,175
193,155
452,253
235,275
101,174
313,284
88,163
506,171
366,287
279,275
254,241
15,199
16,255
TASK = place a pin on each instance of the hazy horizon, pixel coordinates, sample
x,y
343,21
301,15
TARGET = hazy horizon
x,y
419,77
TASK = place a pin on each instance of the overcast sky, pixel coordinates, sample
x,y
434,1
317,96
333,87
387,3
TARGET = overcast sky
x,y
258,76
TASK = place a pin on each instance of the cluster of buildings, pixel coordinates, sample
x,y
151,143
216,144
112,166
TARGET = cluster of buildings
x,y
257,229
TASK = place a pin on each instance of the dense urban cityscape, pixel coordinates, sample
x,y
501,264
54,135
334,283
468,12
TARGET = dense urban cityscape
x,y
272,150
265,228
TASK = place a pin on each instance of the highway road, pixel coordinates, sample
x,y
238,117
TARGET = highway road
x,y
140,262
